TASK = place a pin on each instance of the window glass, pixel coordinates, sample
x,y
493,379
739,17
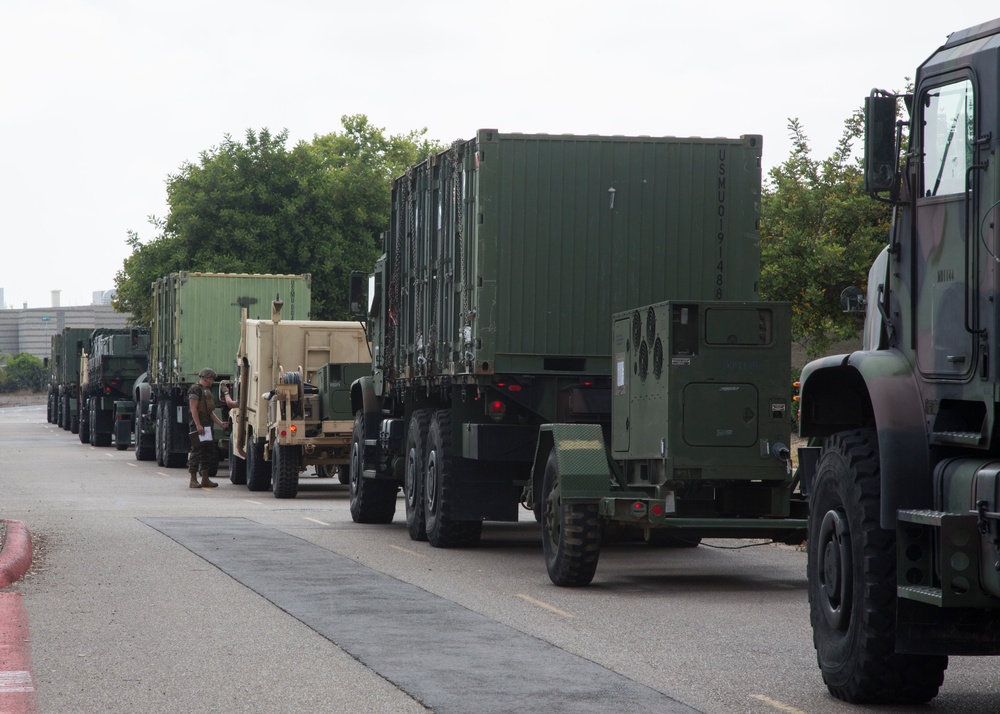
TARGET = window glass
x,y
949,137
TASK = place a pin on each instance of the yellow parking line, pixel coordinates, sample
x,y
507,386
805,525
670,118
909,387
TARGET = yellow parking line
x,y
545,606
315,521
780,706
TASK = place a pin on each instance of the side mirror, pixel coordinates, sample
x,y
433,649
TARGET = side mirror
x,y
881,153
357,298
853,299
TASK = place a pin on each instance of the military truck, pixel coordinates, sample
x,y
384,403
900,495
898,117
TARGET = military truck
x,y
490,310
904,519
67,348
196,324
110,364
285,420
52,400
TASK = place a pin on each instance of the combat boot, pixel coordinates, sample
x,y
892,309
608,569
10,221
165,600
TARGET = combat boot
x,y
205,483
194,480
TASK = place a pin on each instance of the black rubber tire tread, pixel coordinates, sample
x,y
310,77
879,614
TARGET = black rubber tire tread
x,y
571,533
258,470
171,459
858,658
142,453
443,531
285,471
84,431
96,438
344,474
158,434
372,500
413,471
237,466
64,413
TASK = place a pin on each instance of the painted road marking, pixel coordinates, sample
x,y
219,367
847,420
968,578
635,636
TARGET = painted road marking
x,y
780,706
315,521
407,550
545,605
16,681
130,463
256,502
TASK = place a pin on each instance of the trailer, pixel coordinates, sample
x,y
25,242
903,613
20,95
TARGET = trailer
x,y
506,259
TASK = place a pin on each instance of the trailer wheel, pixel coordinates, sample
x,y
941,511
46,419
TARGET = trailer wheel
x,y
443,531
372,500
258,473
285,471
84,431
852,583
571,533
413,481
237,466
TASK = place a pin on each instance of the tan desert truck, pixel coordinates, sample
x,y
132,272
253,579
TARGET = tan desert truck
x,y
288,373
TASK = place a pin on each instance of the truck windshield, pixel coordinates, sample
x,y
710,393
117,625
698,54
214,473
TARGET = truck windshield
x,y
948,138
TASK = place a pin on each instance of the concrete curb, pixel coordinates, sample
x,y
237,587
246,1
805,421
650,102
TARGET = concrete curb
x,y
15,558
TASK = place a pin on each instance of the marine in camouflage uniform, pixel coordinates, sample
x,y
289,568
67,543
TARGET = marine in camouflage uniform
x,y
204,455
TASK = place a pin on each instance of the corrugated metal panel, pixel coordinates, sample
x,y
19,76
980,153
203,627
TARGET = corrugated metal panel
x,y
198,318
512,251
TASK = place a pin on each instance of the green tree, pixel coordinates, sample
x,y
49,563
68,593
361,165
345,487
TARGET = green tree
x,y
258,207
820,233
22,372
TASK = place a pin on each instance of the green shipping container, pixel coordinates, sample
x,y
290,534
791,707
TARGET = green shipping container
x,y
197,318
511,252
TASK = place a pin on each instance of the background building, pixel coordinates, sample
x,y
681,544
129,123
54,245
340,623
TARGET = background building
x,y
30,329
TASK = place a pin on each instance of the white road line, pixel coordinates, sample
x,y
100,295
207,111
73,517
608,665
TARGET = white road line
x,y
129,463
256,502
315,521
545,606
407,551
780,706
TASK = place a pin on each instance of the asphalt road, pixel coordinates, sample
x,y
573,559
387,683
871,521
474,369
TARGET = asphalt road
x,y
150,596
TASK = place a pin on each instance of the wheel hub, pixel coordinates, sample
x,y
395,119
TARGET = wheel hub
x,y
431,484
834,570
411,479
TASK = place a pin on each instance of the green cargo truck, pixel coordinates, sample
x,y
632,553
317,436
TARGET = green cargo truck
x,y
114,358
903,476
196,324
67,349
505,262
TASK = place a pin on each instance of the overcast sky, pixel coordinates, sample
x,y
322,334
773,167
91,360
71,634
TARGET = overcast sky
x,y
101,100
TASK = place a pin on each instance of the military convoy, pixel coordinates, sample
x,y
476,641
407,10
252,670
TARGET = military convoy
x,y
904,521
64,381
293,407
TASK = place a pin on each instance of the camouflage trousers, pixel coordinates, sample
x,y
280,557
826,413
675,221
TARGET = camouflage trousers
x,y
204,458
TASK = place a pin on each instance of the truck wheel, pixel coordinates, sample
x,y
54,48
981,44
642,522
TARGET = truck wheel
x,y
143,451
344,474
413,481
84,431
852,583
237,466
171,459
285,471
96,437
258,471
372,500
571,533
443,531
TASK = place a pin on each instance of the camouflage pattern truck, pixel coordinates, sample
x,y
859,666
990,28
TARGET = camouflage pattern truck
x,y
508,258
196,324
904,519
110,364
288,373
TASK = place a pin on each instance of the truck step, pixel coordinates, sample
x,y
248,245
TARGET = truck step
x,y
922,517
960,438
921,593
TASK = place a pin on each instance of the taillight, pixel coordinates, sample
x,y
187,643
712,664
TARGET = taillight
x,y
496,409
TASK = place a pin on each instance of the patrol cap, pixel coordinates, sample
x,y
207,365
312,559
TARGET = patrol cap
x,y
208,372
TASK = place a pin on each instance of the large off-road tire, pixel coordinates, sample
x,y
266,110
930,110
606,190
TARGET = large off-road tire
x,y
852,583
143,452
372,500
571,533
443,531
64,412
50,407
413,473
74,418
258,470
344,474
86,424
285,471
237,466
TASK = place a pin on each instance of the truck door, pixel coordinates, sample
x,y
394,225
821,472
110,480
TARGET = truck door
x,y
946,282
